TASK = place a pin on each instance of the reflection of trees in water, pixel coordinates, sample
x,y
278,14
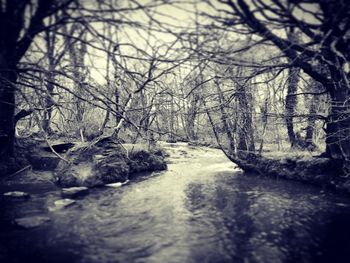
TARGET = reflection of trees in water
x,y
259,221
334,234
206,244
223,216
195,197
280,219
238,223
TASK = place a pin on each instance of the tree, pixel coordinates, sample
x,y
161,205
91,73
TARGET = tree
x,y
20,22
292,88
323,43
23,23
225,119
245,127
311,120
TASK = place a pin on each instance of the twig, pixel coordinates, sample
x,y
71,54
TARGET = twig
x,y
21,170
127,152
53,150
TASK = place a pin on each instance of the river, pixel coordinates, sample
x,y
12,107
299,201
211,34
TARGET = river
x,y
202,209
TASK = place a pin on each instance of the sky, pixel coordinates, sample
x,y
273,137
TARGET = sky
x,y
178,15
165,15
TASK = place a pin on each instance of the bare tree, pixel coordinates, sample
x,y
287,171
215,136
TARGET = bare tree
x,y
322,44
21,21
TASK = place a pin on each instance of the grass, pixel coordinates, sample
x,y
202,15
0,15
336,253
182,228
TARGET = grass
x,y
272,151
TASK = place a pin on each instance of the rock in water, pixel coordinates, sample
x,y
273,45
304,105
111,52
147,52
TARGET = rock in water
x,y
17,194
105,162
31,222
94,165
142,161
116,185
62,203
72,192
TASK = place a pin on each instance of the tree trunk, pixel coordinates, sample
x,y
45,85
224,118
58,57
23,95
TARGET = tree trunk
x,y
311,120
171,121
264,112
245,131
338,123
191,115
77,53
7,112
127,106
291,102
309,137
105,121
48,101
224,120
292,87
48,104
118,110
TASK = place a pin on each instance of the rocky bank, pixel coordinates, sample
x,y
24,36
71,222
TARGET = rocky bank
x,y
105,162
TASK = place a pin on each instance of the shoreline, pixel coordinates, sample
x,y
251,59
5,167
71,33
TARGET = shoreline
x,y
319,171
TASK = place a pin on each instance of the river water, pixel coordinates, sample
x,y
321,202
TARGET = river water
x,y
202,209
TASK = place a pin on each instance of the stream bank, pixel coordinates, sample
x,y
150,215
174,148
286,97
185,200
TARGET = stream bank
x,y
317,170
89,164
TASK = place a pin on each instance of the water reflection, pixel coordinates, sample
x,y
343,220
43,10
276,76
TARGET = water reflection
x,y
200,210
255,221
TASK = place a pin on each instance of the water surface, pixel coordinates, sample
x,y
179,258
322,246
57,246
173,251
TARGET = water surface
x,y
202,209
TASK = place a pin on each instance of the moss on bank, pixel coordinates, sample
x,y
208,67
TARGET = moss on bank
x,y
295,165
324,172
104,163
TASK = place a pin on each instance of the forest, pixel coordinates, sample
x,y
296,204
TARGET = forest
x,y
264,81
252,77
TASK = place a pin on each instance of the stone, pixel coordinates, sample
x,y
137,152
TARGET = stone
x,y
142,161
62,203
105,162
116,185
111,170
17,194
32,221
102,163
72,192
43,161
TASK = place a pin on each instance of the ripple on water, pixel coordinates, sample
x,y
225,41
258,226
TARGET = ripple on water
x,y
201,210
